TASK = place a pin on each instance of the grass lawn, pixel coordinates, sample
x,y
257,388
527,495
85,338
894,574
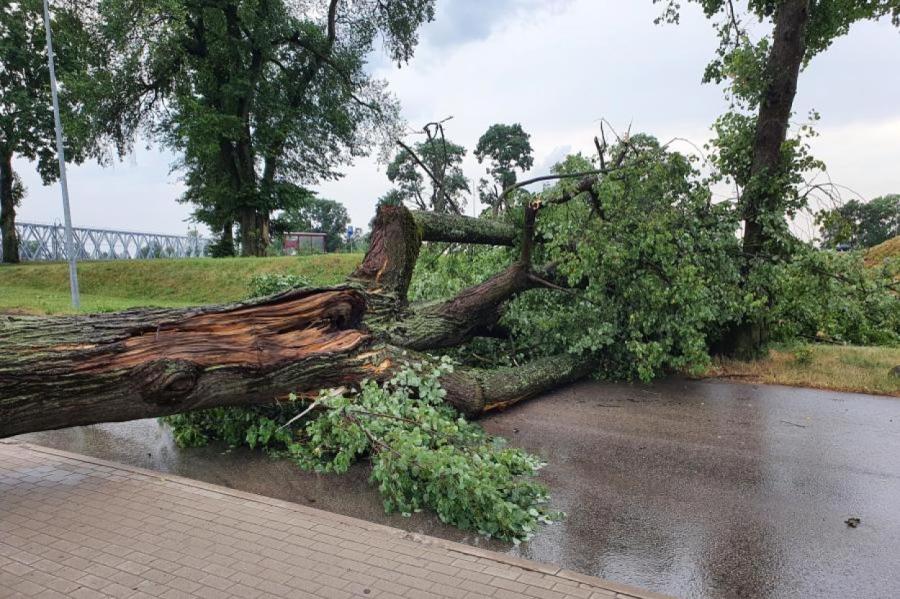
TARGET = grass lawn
x,y
836,367
43,288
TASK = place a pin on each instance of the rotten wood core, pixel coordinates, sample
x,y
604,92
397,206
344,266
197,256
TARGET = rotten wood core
x,y
74,370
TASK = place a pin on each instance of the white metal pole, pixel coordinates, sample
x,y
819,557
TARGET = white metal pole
x,y
70,237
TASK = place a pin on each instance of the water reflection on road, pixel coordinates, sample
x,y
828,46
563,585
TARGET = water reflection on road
x,y
690,488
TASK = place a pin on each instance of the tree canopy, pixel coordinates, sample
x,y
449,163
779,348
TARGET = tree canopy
x,y
859,224
507,149
255,94
26,119
429,175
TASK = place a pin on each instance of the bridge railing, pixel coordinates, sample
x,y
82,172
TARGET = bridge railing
x,y
39,242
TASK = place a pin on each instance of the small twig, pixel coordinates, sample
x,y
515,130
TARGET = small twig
x,y
376,442
794,424
382,415
546,283
334,393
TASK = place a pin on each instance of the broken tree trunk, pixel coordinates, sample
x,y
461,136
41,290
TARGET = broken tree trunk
x,y
74,370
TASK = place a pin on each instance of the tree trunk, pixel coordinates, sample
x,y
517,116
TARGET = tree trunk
x,y
8,211
75,370
67,371
255,237
227,242
759,200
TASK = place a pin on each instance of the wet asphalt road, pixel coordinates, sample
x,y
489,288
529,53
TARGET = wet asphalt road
x,y
696,489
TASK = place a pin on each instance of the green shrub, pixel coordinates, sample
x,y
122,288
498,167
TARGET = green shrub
x,y
823,295
269,283
803,355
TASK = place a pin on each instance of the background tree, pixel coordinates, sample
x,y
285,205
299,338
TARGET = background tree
x,y
861,224
762,77
429,175
253,94
507,149
318,215
26,118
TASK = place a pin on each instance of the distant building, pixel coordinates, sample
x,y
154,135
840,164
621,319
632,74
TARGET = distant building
x,y
303,243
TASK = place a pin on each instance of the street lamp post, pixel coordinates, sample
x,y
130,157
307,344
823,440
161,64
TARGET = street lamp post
x,y
70,237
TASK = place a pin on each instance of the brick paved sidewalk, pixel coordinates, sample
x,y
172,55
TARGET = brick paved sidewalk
x,y
74,526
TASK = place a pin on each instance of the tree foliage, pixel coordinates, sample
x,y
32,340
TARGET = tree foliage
x,y
860,224
654,282
440,187
507,149
832,297
26,120
255,94
423,454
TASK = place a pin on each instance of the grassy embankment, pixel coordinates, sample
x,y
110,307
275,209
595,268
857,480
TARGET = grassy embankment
x,y
43,288
117,285
835,367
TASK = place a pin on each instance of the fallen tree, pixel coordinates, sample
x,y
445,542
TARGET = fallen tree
x,y
628,269
74,370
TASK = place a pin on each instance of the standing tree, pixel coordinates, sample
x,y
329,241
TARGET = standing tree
x,y
507,149
435,160
26,118
861,224
319,215
755,150
256,94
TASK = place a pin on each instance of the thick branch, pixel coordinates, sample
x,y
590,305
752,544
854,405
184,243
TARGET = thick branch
x,y
474,392
450,322
456,228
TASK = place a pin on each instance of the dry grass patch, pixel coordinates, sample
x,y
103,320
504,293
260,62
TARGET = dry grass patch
x,y
835,367
887,252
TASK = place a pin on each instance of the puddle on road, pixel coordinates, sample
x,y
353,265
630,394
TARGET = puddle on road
x,y
696,489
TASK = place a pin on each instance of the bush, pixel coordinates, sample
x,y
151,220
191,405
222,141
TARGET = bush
x,y
269,283
823,295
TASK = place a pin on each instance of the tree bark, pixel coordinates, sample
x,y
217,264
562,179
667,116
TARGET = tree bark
x,y
760,201
782,73
67,371
464,229
255,236
475,392
8,211
449,323
75,370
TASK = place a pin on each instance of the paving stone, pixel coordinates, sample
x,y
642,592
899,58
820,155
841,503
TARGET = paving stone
x,y
73,526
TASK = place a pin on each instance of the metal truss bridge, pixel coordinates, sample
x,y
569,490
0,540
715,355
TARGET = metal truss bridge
x,y
48,243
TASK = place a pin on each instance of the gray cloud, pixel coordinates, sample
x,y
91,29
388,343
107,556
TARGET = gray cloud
x,y
557,67
461,21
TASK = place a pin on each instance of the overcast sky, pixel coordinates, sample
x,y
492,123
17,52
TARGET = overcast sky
x,y
557,67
